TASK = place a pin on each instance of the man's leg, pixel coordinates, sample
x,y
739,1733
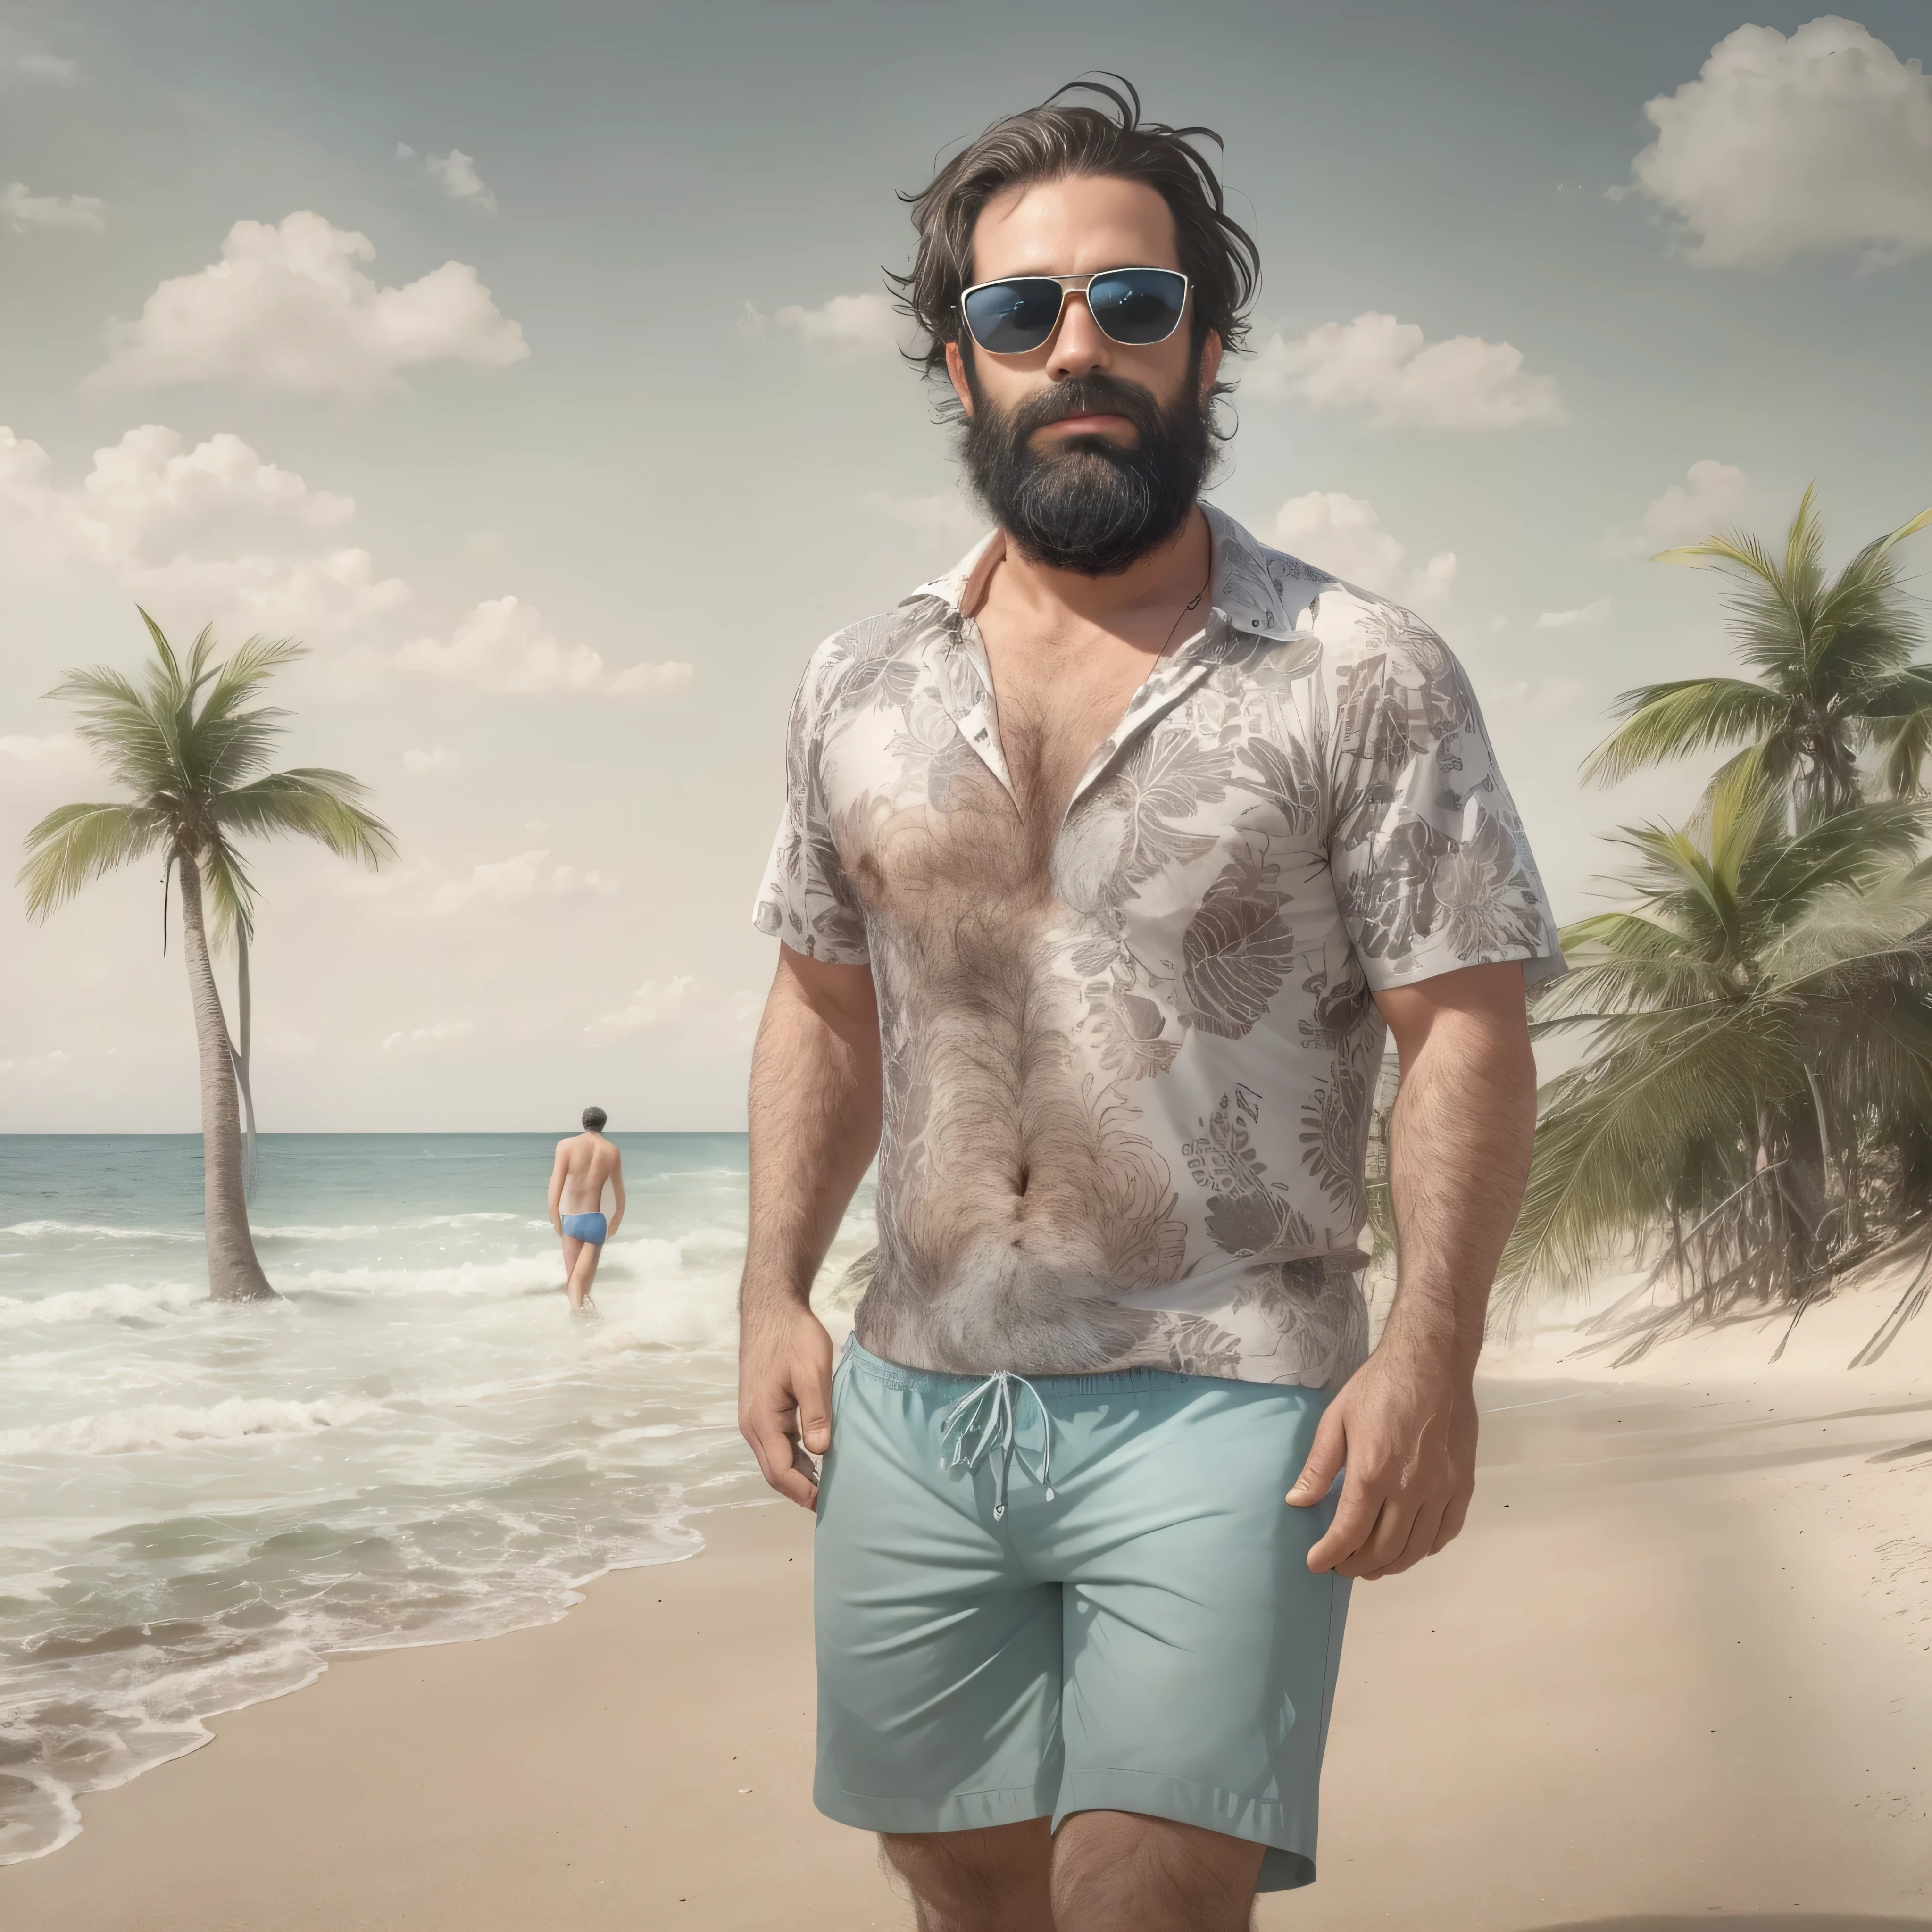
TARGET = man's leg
x,y
572,1248
1116,1871
991,1880
584,1272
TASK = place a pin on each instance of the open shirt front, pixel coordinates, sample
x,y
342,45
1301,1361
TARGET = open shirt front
x,y
1165,1022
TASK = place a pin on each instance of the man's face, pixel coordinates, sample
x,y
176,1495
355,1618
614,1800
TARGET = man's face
x,y
1089,451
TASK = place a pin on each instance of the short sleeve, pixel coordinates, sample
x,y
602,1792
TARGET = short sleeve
x,y
805,898
1431,869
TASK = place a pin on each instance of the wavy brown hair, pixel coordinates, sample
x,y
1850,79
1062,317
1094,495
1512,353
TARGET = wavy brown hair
x,y
1050,142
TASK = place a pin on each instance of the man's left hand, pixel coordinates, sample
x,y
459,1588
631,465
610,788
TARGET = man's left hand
x,y
1405,1431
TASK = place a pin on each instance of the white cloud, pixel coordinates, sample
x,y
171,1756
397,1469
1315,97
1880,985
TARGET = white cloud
x,y
948,516
55,757
426,890
1344,535
1341,533
428,1039
1712,495
656,1002
849,328
457,171
25,210
503,645
43,1066
1782,146
438,761
286,308
565,882
1391,371
215,523
404,152
1436,578
37,64
678,999
1590,617
1544,697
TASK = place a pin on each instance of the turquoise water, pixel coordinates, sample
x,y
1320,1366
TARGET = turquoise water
x,y
418,1444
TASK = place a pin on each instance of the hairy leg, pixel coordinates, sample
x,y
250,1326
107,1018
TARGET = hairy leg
x,y
584,1272
1117,1871
990,1880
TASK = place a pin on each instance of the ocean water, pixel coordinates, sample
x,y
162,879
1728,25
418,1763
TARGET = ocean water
x,y
418,1444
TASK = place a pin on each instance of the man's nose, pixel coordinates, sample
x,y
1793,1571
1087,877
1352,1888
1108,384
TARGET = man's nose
x,y
1079,349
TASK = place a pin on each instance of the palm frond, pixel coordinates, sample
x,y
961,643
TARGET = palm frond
x,y
74,845
1904,693
1611,1143
1879,548
1854,847
1905,744
310,803
1673,720
230,890
245,671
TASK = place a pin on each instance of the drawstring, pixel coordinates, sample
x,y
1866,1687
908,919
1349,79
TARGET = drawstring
x,y
987,1412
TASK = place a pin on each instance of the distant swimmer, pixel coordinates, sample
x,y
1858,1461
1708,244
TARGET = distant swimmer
x,y
584,1162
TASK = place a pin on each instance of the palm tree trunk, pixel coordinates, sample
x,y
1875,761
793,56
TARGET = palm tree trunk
x,y
240,1052
234,1274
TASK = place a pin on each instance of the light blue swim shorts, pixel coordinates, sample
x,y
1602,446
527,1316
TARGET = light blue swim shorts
x,y
591,1227
1073,1593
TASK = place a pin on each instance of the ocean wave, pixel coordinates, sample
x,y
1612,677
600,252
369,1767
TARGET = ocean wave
x,y
463,1220
31,1229
86,1304
507,1277
346,1233
124,1432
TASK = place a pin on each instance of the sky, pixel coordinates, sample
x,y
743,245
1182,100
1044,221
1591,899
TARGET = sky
x,y
534,367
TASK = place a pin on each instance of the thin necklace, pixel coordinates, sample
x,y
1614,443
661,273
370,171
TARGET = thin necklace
x,y
1192,603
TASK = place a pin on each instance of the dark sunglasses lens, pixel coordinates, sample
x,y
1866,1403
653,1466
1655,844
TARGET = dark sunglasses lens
x,y
1012,318
1138,306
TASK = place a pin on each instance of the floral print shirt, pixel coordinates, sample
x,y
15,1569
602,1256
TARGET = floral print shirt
x,y
1128,1080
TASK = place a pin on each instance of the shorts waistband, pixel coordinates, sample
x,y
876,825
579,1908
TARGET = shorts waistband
x,y
941,1383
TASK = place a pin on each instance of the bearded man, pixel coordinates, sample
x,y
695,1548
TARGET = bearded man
x,y
1109,861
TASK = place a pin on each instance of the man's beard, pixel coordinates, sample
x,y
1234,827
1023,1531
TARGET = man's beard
x,y
1088,504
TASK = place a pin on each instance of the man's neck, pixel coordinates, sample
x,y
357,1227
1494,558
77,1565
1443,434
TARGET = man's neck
x,y
1138,604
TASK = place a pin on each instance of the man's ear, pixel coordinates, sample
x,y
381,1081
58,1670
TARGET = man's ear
x,y
955,368
1211,362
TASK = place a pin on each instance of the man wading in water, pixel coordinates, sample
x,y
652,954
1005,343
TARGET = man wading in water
x,y
584,1163
1106,860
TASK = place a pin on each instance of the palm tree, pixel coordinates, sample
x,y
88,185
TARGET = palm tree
x,y
187,743
1835,674
1755,1110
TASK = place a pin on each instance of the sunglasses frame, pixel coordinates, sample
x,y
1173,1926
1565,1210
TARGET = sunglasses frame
x,y
1078,285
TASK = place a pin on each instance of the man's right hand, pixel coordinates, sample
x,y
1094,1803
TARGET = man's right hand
x,y
785,1399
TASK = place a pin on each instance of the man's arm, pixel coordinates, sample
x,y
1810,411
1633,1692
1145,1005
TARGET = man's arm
x,y
616,1196
1405,1423
814,1121
559,1168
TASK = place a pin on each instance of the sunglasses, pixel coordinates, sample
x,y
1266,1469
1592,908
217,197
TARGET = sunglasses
x,y
1133,306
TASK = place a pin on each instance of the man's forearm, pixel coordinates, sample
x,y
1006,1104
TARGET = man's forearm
x,y
814,1127
1459,1156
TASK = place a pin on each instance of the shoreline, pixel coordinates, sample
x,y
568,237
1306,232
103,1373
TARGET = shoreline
x,y
575,1591
1665,1671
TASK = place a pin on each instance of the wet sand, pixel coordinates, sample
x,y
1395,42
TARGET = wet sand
x,y
1678,1668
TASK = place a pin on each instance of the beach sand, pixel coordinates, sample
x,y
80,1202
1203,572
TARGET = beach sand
x,y
1678,1667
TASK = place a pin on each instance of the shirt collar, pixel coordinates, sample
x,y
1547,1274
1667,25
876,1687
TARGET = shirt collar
x,y
1246,594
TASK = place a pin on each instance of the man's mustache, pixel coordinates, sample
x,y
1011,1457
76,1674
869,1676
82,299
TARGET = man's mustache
x,y
1089,396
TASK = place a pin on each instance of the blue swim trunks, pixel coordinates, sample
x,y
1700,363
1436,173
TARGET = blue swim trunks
x,y
1073,1593
585,1227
